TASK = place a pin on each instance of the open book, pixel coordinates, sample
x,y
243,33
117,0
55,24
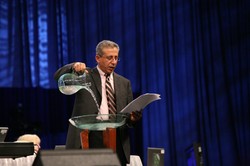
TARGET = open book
x,y
140,102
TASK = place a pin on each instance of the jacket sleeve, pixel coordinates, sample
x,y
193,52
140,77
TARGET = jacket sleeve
x,y
65,69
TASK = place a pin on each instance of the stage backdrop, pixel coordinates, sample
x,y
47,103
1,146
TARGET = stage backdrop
x,y
195,54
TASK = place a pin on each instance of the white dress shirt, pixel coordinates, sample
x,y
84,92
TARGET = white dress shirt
x,y
104,104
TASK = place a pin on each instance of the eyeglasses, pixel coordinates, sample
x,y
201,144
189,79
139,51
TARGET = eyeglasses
x,y
111,58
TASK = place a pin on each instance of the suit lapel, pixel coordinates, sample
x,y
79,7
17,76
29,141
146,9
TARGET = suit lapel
x,y
118,91
97,80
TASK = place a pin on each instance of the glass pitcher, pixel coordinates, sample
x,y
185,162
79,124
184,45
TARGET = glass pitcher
x,y
70,83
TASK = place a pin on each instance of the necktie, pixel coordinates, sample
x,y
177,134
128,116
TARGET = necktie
x,y
110,96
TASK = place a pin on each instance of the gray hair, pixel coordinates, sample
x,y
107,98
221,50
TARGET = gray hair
x,y
105,44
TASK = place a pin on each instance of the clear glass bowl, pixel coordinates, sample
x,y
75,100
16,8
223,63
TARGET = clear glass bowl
x,y
98,122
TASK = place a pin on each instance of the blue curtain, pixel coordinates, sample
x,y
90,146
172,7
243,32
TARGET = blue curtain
x,y
195,54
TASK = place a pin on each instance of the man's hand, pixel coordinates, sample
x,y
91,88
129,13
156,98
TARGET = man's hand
x,y
135,116
79,67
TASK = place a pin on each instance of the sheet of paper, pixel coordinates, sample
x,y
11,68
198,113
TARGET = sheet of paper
x,y
141,102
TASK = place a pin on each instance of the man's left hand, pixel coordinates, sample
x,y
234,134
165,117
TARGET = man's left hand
x,y
135,116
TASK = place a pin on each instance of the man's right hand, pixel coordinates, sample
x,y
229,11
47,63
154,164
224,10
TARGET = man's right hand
x,y
79,67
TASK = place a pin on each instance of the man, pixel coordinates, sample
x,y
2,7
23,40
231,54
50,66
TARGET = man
x,y
107,57
29,160
31,138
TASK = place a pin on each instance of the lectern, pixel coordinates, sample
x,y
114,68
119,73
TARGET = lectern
x,y
106,123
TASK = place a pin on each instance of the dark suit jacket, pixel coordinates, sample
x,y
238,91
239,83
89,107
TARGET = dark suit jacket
x,y
85,104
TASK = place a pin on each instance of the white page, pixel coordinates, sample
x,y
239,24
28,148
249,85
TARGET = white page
x,y
141,102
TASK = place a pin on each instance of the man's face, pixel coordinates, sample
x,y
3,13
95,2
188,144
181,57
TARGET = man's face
x,y
108,61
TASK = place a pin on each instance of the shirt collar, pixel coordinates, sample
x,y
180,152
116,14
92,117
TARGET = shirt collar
x,y
103,74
